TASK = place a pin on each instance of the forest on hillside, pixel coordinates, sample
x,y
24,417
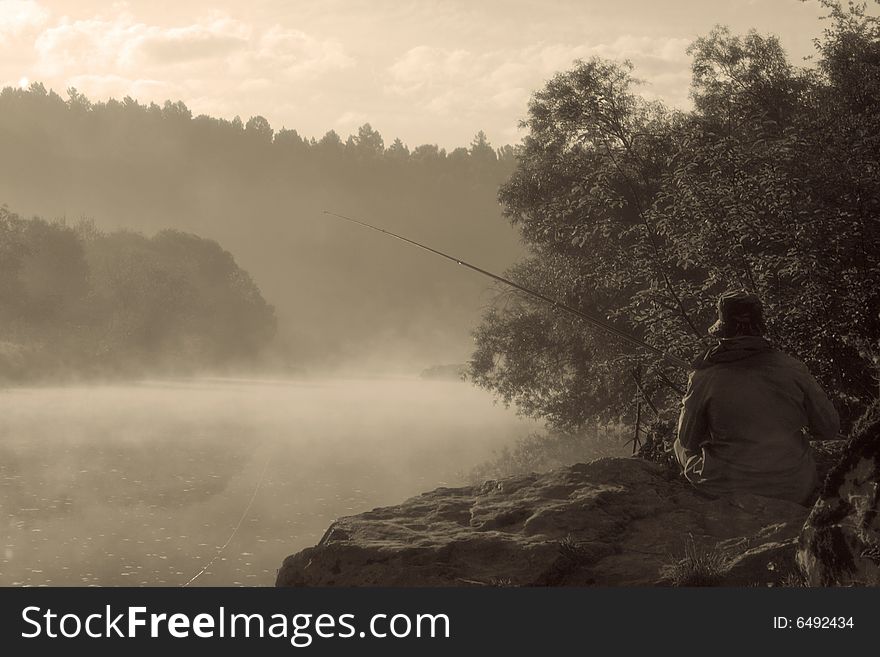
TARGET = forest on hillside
x,y
80,302
636,212
340,294
643,214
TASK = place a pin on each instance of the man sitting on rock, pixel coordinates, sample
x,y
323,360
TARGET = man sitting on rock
x,y
740,428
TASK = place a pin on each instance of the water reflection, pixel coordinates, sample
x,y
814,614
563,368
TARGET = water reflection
x,y
142,484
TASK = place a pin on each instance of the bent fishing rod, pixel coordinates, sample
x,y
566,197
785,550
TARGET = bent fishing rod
x,y
590,319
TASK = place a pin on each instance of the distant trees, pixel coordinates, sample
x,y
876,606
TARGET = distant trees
x,y
140,121
53,275
290,139
85,301
368,142
398,151
428,153
259,127
643,215
481,150
43,272
94,129
260,192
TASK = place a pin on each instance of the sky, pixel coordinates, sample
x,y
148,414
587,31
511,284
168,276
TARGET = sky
x,y
426,71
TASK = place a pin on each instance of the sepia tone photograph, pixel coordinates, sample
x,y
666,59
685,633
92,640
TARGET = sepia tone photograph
x,y
514,293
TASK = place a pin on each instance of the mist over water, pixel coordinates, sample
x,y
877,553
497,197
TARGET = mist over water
x,y
141,484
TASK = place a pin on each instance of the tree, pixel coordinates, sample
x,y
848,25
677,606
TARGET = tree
x,y
259,128
176,111
290,141
77,100
119,302
53,272
428,153
397,151
481,150
146,168
643,215
507,153
580,196
12,251
780,168
331,142
459,156
368,142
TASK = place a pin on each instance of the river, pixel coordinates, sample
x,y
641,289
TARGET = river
x,y
160,482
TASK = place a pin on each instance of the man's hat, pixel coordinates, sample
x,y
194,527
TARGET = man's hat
x,y
738,307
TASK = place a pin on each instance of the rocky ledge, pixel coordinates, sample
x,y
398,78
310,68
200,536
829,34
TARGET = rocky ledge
x,y
840,542
613,522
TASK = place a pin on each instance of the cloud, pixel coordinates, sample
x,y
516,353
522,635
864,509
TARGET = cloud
x,y
77,47
194,42
350,121
298,54
217,64
117,86
424,66
217,48
449,81
17,16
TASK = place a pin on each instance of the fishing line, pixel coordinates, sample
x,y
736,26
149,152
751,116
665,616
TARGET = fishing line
x,y
598,323
237,526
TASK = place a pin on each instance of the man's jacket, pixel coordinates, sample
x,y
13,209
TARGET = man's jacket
x,y
741,420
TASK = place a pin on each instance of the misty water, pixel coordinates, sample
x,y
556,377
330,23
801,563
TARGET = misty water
x,y
143,484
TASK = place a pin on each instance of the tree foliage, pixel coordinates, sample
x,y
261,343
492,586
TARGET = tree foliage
x,y
79,301
260,192
644,215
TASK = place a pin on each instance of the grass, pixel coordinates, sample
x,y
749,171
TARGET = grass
x,y
700,566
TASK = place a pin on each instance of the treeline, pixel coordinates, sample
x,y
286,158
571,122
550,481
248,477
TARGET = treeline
x,y
79,302
340,294
130,130
643,215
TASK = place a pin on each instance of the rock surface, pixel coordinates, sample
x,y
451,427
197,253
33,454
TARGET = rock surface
x,y
612,522
840,542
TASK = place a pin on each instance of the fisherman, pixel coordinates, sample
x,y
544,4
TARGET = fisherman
x,y
740,428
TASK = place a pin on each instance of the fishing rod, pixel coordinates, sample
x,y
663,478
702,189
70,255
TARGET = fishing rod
x,y
235,529
590,319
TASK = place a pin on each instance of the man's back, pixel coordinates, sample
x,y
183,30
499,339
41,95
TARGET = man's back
x,y
746,414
